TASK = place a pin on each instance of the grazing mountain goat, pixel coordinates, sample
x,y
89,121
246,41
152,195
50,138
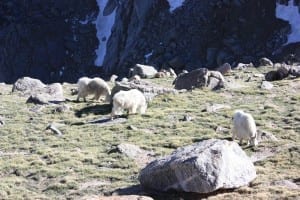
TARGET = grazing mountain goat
x,y
132,100
244,127
96,86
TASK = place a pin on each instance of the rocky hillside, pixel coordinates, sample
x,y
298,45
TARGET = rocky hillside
x,y
57,40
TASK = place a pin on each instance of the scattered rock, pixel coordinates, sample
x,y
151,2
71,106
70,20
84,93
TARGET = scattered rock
x,y
113,78
265,136
144,71
263,153
74,91
242,66
222,130
225,68
265,62
164,73
295,71
131,127
216,107
27,85
53,127
195,79
284,71
62,108
215,80
161,74
199,78
2,123
202,167
38,92
286,183
187,118
281,73
172,72
272,76
266,85
141,157
37,99
135,78
124,80
277,65
259,75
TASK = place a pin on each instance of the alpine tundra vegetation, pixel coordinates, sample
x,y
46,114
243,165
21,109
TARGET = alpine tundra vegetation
x,y
83,162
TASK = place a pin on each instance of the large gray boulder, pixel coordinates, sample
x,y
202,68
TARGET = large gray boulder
x,y
202,167
199,78
37,91
195,79
27,85
144,71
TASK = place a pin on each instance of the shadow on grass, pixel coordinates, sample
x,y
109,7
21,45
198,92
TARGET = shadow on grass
x,y
170,195
103,109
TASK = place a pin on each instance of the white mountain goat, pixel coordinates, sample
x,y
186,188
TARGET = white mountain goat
x,y
244,127
133,100
96,86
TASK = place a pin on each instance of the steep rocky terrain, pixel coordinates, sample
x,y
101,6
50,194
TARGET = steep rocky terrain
x,y
57,40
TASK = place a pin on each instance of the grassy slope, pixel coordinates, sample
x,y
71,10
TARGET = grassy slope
x,y
37,164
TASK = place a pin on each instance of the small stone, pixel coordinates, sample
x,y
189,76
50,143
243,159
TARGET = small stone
x,y
131,127
265,62
266,85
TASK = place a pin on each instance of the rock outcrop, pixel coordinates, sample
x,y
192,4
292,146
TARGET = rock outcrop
x,y
56,40
37,91
282,72
203,167
199,78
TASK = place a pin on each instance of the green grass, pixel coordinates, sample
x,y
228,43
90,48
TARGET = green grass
x,y
37,164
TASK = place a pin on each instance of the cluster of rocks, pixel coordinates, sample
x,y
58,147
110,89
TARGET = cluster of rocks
x,y
38,92
199,78
282,72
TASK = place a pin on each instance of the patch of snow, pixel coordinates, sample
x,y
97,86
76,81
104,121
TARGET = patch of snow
x,y
174,4
61,72
291,14
147,56
104,25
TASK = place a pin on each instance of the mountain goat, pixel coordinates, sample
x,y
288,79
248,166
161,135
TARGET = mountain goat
x,y
132,100
244,127
96,86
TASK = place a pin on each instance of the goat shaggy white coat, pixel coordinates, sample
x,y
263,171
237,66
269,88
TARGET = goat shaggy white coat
x,y
96,86
133,100
244,128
